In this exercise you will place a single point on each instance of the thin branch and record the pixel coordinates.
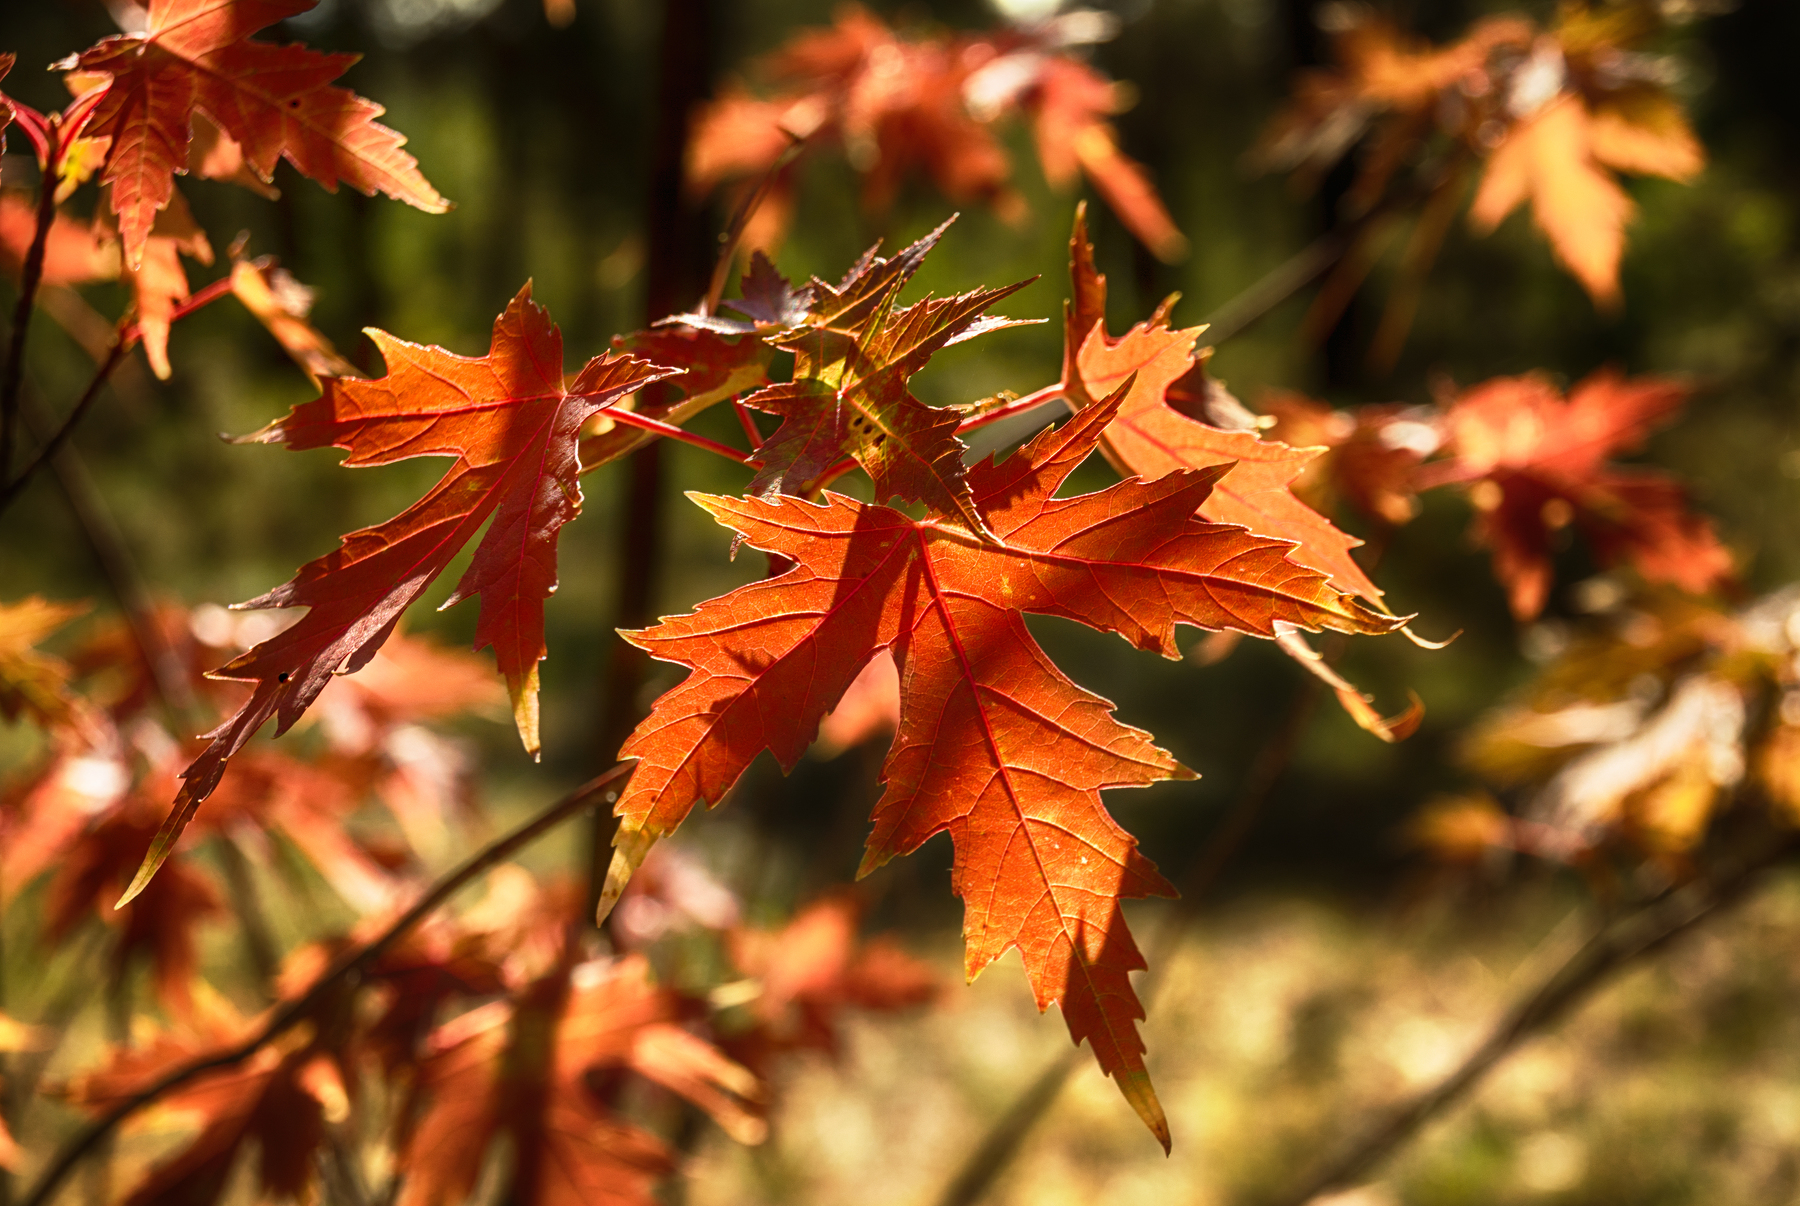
(54, 444)
(670, 431)
(117, 565)
(200, 298)
(740, 221)
(1642, 933)
(30, 276)
(35, 127)
(1296, 273)
(348, 968)
(1309, 264)
(1002, 1142)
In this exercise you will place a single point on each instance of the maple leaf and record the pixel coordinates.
(995, 746)
(1151, 438)
(281, 304)
(36, 684)
(274, 101)
(510, 420)
(75, 253)
(160, 924)
(897, 105)
(158, 283)
(852, 359)
(1070, 103)
(812, 969)
(532, 1072)
(1579, 207)
(1374, 452)
(1537, 462)
(277, 1102)
(869, 708)
(719, 357)
(1553, 114)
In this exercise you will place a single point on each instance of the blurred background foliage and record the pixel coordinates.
(540, 135)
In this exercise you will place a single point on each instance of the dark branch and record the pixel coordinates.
(54, 444)
(348, 968)
(30, 276)
(1642, 933)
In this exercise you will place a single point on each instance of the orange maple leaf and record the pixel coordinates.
(995, 747)
(897, 105)
(159, 925)
(510, 421)
(1537, 462)
(33, 683)
(1151, 438)
(812, 969)
(1375, 452)
(534, 1072)
(274, 101)
(281, 304)
(1553, 114)
(278, 1102)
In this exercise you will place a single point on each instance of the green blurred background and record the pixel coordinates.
(541, 137)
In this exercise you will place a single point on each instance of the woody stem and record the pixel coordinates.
(1636, 936)
(29, 278)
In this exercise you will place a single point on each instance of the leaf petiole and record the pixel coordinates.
(670, 431)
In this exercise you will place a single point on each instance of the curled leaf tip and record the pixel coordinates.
(1422, 643)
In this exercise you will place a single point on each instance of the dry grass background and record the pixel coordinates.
(1286, 1026)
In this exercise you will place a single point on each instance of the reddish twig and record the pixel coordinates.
(36, 129)
(747, 421)
(670, 431)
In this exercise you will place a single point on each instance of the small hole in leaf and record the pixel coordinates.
(282, 677)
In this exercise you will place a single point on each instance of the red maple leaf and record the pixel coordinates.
(537, 1072)
(1537, 462)
(900, 105)
(1150, 438)
(273, 101)
(278, 1102)
(995, 747)
(1375, 452)
(159, 925)
(812, 969)
(510, 420)
(281, 304)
